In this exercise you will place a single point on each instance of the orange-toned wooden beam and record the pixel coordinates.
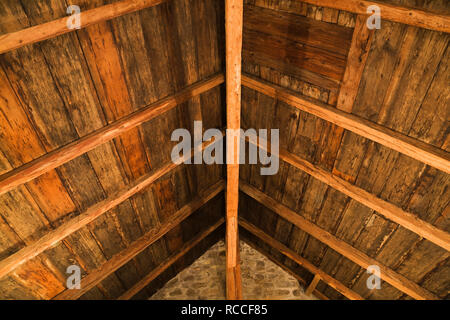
(169, 261)
(426, 153)
(118, 260)
(390, 211)
(14, 40)
(233, 37)
(30, 251)
(392, 277)
(64, 154)
(412, 16)
(335, 284)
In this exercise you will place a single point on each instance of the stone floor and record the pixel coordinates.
(205, 278)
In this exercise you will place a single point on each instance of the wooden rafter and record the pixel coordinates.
(118, 260)
(92, 213)
(335, 284)
(14, 40)
(395, 279)
(412, 16)
(169, 261)
(411, 147)
(69, 152)
(389, 210)
(233, 35)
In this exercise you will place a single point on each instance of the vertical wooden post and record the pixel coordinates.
(233, 36)
(313, 284)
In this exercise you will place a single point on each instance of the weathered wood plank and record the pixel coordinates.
(140, 244)
(57, 27)
(411, 16)
(169, 261)
(387, 274)
(423, 152)
(389, 210)
(302, 261)
(83, 219)
(60, 156)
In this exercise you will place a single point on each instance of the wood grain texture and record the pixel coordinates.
(169, 261)
(413, 148)
(414, 17)
(302, 261)
(92, 213)
(60, 156)
(356, 61)
(390, 211)
(57, 27)
(139, 245)
(387, 274)
(233, 35)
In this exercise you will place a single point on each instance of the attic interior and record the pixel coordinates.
(87, 115)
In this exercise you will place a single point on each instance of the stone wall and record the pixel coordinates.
(205, 278)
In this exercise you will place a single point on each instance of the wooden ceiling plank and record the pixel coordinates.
(120, 259)
(92, 213)
(291, 254)
(411, 147)
(51, 29)
(356, 61)
(169, 261)
(233, 39)
(389, 210)
(395, 279)
(411, 16)
(69, 152)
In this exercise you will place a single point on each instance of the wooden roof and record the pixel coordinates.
(86, 118)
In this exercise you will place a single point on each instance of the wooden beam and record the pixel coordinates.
(411, 147)
(118, 260)
(335, 284)
(317, 293)
(233, 38)
(14, 40)
(92, 213)
(313, 284)
(395, 279)
(169, 261)
(356, 61)
(390, 211)
(64, 154)
(412, 16)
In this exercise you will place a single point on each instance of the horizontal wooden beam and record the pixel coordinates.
(411, 147)
(118, 260)
(337, 285)
(64, 154)
(14, 40)
(169, 261)
(395, 279)
(92, 213)
(302, 281)
(390, 211)
(412, 16)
